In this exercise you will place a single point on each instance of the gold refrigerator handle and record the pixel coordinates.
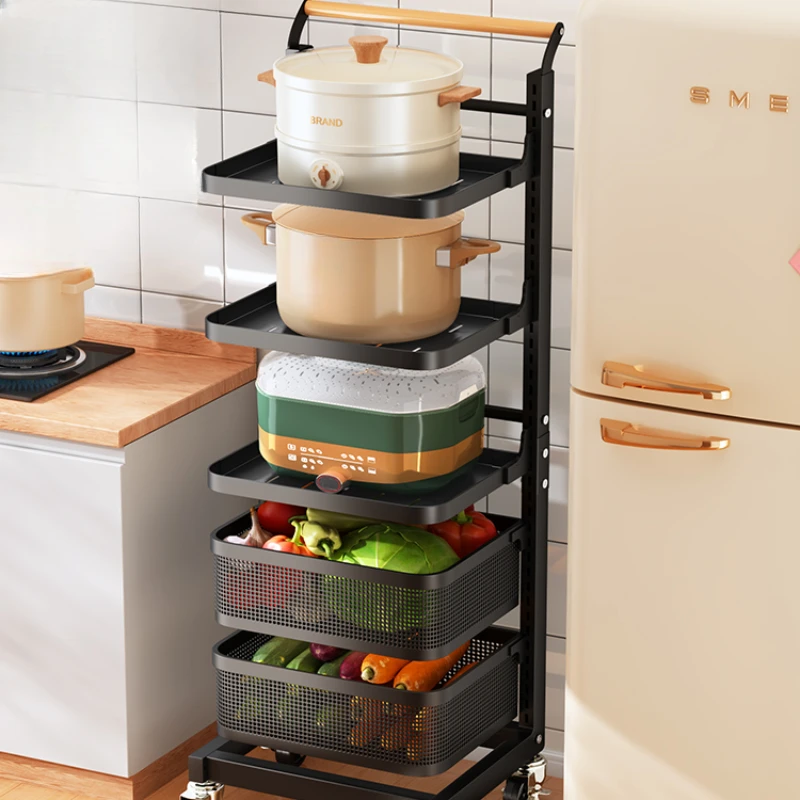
(627, 434)
(624, 375)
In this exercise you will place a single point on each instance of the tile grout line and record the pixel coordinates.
(224, 264)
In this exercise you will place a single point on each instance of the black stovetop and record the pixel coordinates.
(31, 384)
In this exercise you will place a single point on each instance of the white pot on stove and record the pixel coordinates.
(42, 308)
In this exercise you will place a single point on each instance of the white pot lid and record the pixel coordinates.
(356, 225)
(400, 70)
(330, 382)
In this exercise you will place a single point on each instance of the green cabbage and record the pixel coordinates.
(396, 548)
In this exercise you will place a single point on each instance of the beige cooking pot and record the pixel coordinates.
(366, 278)
(42, 311)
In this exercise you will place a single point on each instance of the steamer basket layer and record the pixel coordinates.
(417, 432)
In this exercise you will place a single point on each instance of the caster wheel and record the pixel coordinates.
(516, 788)
(210, 790)
(292, 759)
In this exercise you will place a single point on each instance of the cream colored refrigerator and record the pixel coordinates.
(683, 679)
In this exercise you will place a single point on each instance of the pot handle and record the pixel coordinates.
(459, 94)
(368, 48)
(462, 251)
(263, 224)
(78, 281)
(267, 77)
(429, 19)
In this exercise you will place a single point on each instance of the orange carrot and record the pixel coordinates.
(399, 735)
(418, 747)
(371, 724)
(463, 671)
(422, 676)
(381, 669)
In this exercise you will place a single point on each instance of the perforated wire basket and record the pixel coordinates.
(407, 616)
(416, 733)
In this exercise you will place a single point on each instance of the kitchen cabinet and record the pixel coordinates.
(106, 604)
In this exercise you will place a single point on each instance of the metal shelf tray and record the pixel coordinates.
(246, 474)
(254, 175)
(254, 321)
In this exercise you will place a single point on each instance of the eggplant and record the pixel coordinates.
(325, 652)
(351, 667)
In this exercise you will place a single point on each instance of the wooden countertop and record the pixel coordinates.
(172, 373)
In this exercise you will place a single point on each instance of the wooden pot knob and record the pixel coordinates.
(368, 48)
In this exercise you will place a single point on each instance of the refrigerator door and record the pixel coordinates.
(687, 228)
(683, 667)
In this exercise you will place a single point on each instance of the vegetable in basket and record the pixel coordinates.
(321, 540)
(330, 669)
(423, 676)
(277, 517)
(351, 667)
(398, 548)
(381, 669)
(278, 652)
(326, 652)
(304, 662)
(284, 544)
(466, 532)
(255, 537)
(344, 523)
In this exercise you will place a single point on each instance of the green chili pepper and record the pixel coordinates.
(321, 540)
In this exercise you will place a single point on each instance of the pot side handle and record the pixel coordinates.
(263, 224)
(78, 281)
(458, 94)
(462, 251)
(267, 77)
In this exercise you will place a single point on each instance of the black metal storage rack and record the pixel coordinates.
(520, 548)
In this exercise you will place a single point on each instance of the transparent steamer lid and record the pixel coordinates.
(382, 389)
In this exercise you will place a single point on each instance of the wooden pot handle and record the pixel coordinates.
(459, 94)
(267, 77)
(78, 281)
(462, 251)
(260, 222)
(430, 19)
(368, 48)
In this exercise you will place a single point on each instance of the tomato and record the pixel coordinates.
(274, 517)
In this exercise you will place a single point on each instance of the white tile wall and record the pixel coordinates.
(182, 249)
(178, 56)
(111, 109)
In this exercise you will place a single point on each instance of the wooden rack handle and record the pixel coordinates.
(430, 19)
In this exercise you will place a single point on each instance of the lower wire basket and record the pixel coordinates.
(415, 733)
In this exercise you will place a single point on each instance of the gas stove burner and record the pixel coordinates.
(37, 358)
(27, 366)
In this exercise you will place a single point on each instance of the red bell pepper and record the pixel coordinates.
(465, 532)
(289, 545)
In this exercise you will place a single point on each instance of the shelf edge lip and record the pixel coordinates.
(230, 332)
(515, 531)
(409, 653)
(436, 697)
(428, 206)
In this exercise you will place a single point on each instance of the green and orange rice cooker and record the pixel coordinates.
(339, 422)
